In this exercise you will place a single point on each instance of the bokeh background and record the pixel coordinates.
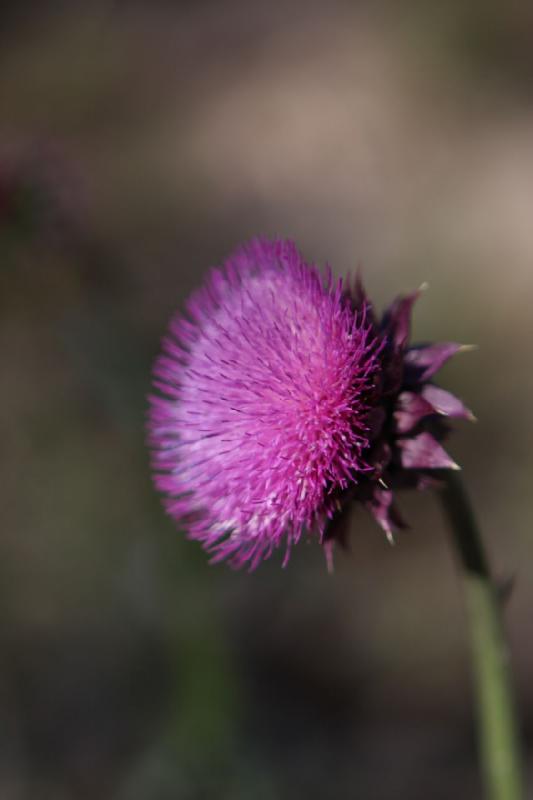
(139, 143)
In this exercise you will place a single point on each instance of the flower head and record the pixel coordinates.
(281, 398)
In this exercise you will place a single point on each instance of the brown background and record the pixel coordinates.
(139, 143)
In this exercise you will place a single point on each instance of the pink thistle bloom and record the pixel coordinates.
(280, 398)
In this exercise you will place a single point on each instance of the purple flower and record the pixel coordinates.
(282, 398)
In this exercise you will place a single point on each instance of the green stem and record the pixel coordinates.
(498, 730)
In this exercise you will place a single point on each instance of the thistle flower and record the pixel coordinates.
(281, 398)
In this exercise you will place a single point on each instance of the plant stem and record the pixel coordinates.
(498, 730)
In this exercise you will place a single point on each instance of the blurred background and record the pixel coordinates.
(139, 143)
